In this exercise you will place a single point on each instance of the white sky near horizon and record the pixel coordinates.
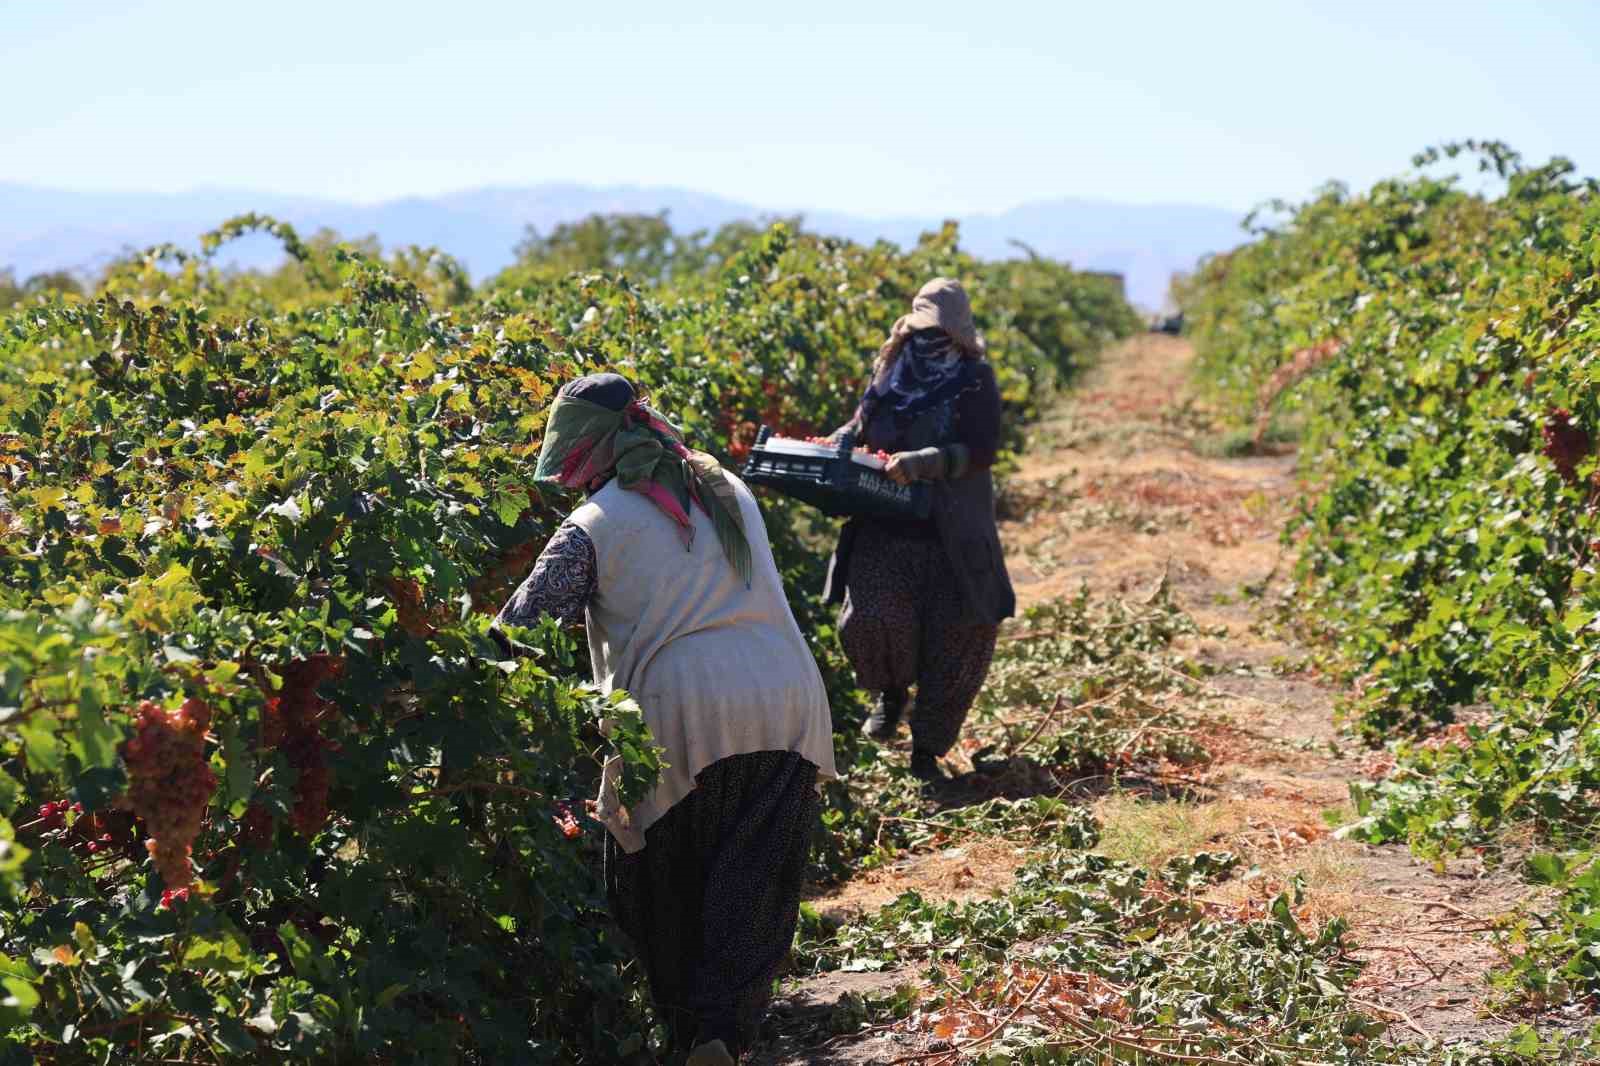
(866, 108)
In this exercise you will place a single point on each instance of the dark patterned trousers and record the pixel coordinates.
(712, 901)
(905, 623)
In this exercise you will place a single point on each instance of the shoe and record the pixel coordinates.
(885, 717)
(925, 767)
(711, 1053)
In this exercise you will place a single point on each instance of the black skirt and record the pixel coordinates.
(712, 901)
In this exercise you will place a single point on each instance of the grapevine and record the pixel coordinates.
(490, 590)
(169, 783)
(410, 606)
(1565, 444)
(247, 484)
(293, 722)
(1447, 573)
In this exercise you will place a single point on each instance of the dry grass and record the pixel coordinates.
(1149, 832)
(1262, 829)
(974, 869)
(1330, 869)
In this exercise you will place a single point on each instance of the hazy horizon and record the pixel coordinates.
(45, 229)
(575, 183)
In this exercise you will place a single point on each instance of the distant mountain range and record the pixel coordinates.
(48, 229)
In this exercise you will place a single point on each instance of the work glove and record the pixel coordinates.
(925, 464)
(929, 464)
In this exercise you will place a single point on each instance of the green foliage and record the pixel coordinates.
(296, 497)
(1131, 967)
(1450, 546)
(643, 247)
(1027, 298)
(1090, 670)
(37, 285)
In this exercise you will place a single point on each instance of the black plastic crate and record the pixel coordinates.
(832, 478)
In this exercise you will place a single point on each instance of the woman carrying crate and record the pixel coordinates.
(668, 564)
(923, 599)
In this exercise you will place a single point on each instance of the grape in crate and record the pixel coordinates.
(835, 476)
(923, 596)
(667, 563)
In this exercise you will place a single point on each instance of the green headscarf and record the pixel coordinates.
(584, 439)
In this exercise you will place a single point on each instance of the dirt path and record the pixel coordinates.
(1120, 490)
(1213, 523)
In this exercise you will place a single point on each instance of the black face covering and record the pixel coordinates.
(931, 343)
(927, 371)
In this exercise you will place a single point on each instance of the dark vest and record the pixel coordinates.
(963, 514)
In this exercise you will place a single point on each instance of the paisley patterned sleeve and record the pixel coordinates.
(561, 585)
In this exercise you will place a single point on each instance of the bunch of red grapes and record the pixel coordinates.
(292, 723)
(53, 815)
(169, 782)
(410, 608)
(502, 576)
(1565, 444)
(566, 821)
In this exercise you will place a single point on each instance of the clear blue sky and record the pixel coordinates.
(874, 108)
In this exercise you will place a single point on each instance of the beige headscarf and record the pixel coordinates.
(942, 303)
